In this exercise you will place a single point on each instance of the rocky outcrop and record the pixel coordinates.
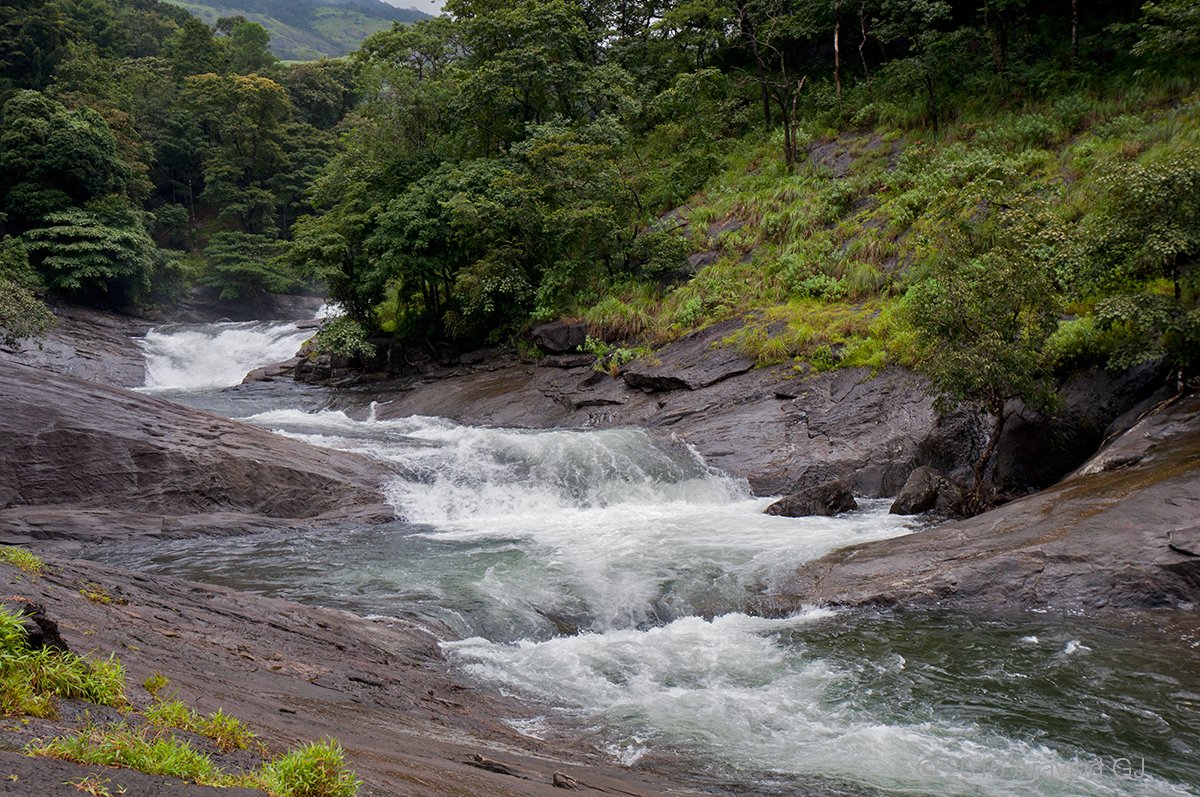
(927, 489)
(695, 362)
(89, 344)
(1117, 534)
(84, 448)
(294, 674)
(559, 337)
(828, 498)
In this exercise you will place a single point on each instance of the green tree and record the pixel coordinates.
(246, 45)
(102, 253)
(192, 49)
(22, 314)
(983, 315)
(52, 158)
(242, 118)
(244, 265)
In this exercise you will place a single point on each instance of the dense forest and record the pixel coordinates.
(992, 190)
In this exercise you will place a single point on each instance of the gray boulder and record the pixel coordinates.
(828, 498)
(928, 489)
(559, 337)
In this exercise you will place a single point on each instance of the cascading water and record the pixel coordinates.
(208, 356)
(611, 576)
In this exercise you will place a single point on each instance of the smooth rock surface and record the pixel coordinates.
(92, 345)
(76, 445)
(1105, 538)
(295, 674)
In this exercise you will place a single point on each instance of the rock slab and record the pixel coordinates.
(1112, 536)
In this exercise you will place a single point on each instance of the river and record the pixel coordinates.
(620, 583)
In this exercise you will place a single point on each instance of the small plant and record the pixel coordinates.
(315, 770)
(167, 714)
(22, 559)
(227, 732)
(97, 593)
(121, 745)
(93, 785)
(155, 683)
(821, 286)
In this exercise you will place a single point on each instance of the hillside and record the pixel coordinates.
(304, 30)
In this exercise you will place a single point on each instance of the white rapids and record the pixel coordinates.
(206, 356)
(616, 579)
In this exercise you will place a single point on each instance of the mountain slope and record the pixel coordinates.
(307, 29)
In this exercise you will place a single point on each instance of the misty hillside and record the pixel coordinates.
(308, 29)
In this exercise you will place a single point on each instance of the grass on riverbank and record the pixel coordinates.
(819, 260)
(165, 737)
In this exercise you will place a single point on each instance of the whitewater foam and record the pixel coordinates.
(208, 356)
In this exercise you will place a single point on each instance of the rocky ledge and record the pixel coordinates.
(295, 674)
(1120, 533)
(783, 429)
(84, 462)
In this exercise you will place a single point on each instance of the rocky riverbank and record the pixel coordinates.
(295, 673)
(88, 465)
(1120, 534)
(780, 428)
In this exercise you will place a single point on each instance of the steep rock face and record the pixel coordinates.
(1113, 535)
(69, 443)
(89, 344)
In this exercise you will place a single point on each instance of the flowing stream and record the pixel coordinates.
(617, 581)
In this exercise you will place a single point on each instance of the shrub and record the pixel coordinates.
(344, 337)
(316, 770)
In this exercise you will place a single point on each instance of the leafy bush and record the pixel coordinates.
(821, 286)
(344, 337)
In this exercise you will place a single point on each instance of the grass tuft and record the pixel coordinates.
(22, 559)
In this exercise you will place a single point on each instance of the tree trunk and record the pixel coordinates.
(1074, 30)
(837, 49)
(985, 458)
(747, 26)
(933, 107)
(862, 25)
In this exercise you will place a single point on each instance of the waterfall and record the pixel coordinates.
(208, 356)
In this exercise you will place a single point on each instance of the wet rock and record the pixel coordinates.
(40, 631)
(828, 498)
(87, 446)
(559, 337)
(88, 344)
(692, 363)
(927, 489)
(1100, 540)
(1185, 540)
(567, 361)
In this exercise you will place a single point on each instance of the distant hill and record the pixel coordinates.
(303, 30)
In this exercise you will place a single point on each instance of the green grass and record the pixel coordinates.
(122, 745)
(317, 769)
(816, 250)
(32, 680)
(21, 559)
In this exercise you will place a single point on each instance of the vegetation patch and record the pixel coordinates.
(165, 738)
